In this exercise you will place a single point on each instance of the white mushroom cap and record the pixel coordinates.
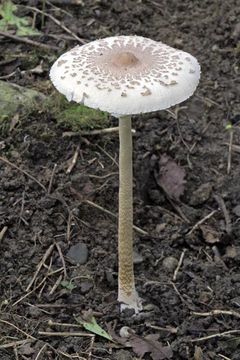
(126, 75)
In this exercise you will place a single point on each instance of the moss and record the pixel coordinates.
(16, 99)
(81, 117)
(76, 116)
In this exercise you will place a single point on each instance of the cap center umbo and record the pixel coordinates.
(124, 59)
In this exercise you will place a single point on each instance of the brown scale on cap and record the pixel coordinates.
(61, 62)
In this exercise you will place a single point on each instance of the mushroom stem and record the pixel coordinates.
(126, 284)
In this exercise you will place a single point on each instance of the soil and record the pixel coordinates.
(46, 210)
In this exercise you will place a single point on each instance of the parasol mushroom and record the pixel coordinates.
(126, 75)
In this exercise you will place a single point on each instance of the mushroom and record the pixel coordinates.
(126, 75)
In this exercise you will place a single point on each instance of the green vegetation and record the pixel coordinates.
(10, 20)
(77, 116)
(22, 101)
(68, 285)
(91, 325)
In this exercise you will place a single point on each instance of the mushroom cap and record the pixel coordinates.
(126, 75)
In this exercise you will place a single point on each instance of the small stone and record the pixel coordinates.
(125, 332)
(170, 263)
(78, 253)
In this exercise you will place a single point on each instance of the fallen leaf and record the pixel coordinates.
(91, 325)
(150, 345)
(170, 177)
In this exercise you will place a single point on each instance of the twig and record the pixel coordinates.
(224, 357)
(58, 281)
(44, 258)
(169, 329)
(90, 349)
(73, 161)
(67, 2)
(3, 232)
(15, 343)
(208, 100)
(200, 222)
(51, 179)
(16, 353)
(218, 312)
(65, 333)
(53, 323)
(107, 154)
(42, 17)
(5, 77)
(23, 171)
(201, 134)
(229, 164)
(51, 3)
(177, 292)
(234, 147)
(103, 176)
(30, 292)
(178, 108)
(29, 42)
(62, 259)
(222, 205)
(179, 265)
(177, 208)
(56, 21)
(22, 209)
(18, 329)
(40, 351)
(140, 231)
(226, 333)
(95, 132)
(170, 213)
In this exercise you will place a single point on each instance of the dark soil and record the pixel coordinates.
(197, 139)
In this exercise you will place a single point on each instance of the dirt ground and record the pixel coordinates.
(188, 260)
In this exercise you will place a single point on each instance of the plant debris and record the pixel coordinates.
(170, 177)
(89, 323)
(149, 345)
(9, 20)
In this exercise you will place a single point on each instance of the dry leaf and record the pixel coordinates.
(150, 345)
(141, 346)
(170, 177)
